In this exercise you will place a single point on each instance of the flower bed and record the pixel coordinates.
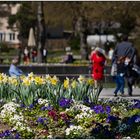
(29, 108)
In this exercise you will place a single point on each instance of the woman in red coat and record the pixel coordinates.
(98, 59)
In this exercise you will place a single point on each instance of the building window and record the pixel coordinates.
(11, 36)
(1, 36)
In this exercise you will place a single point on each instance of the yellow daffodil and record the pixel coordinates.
(13, 81)
(3, 78)
(31, 75)
(73, 84)
(66, 83)
(90, 81)
(81, 79)
(22, 77)
(48, 78)
(26, 81)
(39, 80)
(54, 80)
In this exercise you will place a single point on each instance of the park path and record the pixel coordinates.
(108, 93)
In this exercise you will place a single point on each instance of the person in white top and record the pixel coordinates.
(110, 53)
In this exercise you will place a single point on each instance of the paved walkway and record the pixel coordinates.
(108, 93)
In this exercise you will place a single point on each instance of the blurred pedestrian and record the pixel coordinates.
(26, 57)
(14, 70)
(69, 58)
(132, 71)
(98, 58)
(34, 55)
(110, 53)
(122, 55)
(44, 55)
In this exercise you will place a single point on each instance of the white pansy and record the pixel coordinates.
(73, 129)
(46, 104)
(17, 118)
(11, 104)
(91, 111)
(28, 129)
(19, 124)
(13, 129)
(22, 128)
(3, 114)
(40, 101)
(78, 116)
(67, 131)
(20, 113)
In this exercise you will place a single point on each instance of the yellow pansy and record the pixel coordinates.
(66, 83)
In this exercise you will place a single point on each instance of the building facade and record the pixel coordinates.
(9, 35)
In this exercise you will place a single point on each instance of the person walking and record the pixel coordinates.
(26, 57)
(122, 55)
(44, 60)
(119, 78)
(132, 71)
(110, 54)
(98, 59)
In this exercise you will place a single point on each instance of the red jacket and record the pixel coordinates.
(98, 66)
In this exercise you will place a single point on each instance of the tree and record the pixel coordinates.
(41, 31)
(80, 16)
(25, 18)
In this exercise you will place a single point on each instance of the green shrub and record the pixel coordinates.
(74, 43)
(4, 47)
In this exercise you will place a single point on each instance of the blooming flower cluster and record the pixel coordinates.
(74, 131)
(7, 134)
(43, 107)
(10, 114)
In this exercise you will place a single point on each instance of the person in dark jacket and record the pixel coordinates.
(131, 71)
(123, 56)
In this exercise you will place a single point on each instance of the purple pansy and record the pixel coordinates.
(65, 103)
(98, 109)
(108, 109)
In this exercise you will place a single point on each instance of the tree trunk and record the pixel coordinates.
(41, 32)
(83, 47)
(81, 27)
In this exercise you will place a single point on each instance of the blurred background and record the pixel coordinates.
(44, 32)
